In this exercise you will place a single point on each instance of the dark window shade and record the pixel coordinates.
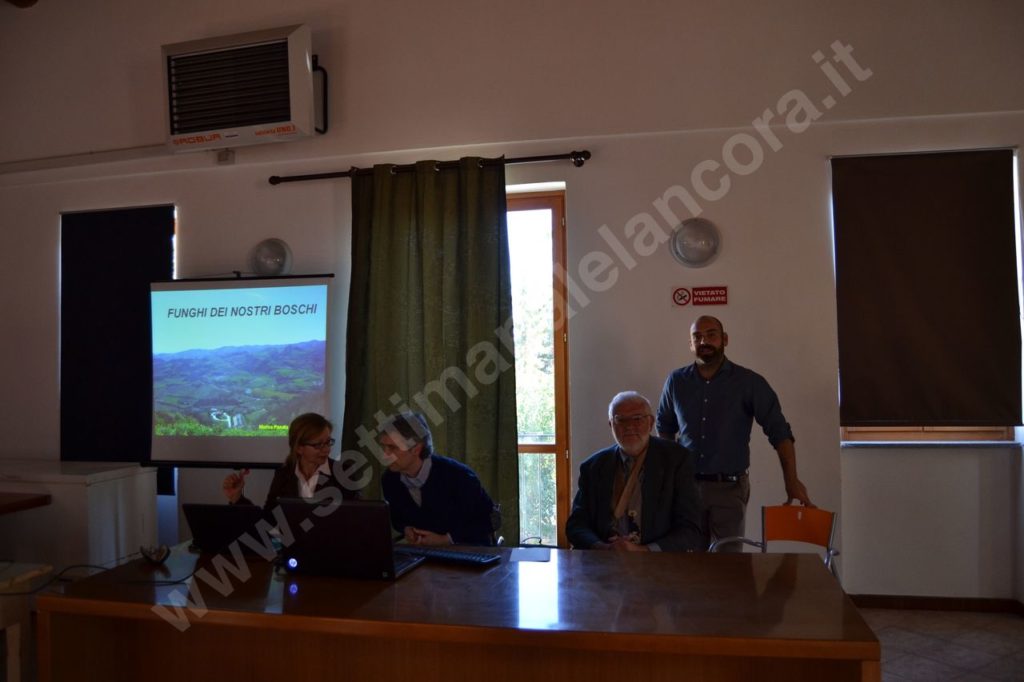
(926, 287)
(108, 259)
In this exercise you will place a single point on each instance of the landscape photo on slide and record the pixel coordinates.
(237, 390)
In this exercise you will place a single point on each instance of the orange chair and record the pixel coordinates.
(796, 524)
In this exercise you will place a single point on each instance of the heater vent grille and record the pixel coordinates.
(249, 88)
(240, 87)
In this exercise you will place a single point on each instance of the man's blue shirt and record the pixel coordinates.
(713, 417)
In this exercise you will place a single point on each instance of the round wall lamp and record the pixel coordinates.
(695, 242)
(271, 257)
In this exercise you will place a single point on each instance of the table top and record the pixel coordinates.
(628, 601)
(12, 502)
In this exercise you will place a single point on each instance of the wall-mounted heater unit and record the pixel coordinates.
(238, 90)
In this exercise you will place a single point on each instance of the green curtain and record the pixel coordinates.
(429, 318)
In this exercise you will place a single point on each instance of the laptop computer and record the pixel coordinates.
(350, 539)
(215, 526)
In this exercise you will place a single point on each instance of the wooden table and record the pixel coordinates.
(582, 616)
(13, 502)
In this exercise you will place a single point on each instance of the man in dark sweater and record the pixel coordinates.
(434, 500)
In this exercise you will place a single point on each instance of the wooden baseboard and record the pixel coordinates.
(882, 601)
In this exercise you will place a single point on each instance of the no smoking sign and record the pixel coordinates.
(700, 296)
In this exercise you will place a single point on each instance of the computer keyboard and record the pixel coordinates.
(451, 556)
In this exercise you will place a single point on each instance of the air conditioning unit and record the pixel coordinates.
(249, 88)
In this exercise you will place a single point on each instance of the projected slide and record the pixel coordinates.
(237, 361)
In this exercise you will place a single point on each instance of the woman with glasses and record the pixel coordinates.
(305, 471)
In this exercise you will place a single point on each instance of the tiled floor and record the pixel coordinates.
(936, 646)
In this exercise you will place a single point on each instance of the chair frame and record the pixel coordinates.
(830, 551)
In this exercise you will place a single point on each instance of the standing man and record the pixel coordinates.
(639, 494)
(711, 405)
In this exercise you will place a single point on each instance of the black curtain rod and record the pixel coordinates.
(577, 158)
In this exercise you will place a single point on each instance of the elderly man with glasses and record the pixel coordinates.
(639, 494)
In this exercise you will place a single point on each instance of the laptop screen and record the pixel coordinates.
(351, 539)
(216, 526)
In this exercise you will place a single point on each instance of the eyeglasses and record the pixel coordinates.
(322, 444)
(635, 420)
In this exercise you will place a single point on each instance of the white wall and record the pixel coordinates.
(935, 519)
(652, 89)
(409, 75)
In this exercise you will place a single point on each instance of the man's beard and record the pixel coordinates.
(709, 356)
(633, 445)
